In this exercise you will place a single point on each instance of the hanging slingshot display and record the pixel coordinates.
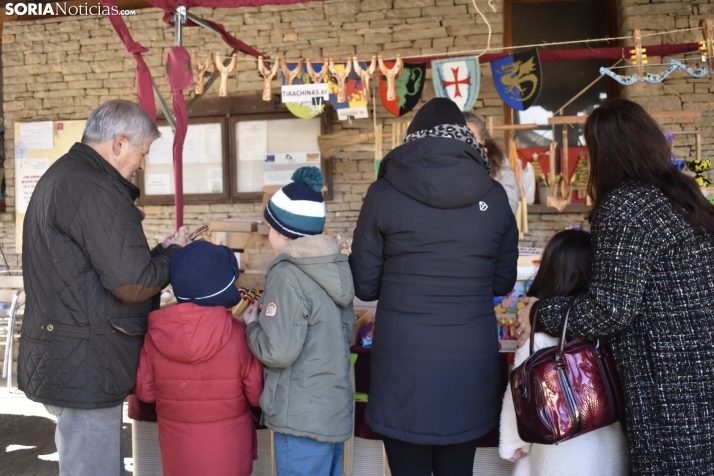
(225, 72)
(268, 75)
(290, 75)
(319, 76)
(391, 75)
(365, 75)
(201, 69)
(341, 77)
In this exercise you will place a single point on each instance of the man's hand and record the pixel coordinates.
(176, 238)
(251, 313)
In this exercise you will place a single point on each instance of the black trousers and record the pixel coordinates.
(410, 459)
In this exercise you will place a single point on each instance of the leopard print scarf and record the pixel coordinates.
(453, 131)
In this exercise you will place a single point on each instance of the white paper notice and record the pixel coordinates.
(161, 151)
(250, 176)
(28, 173)
(304, 92)
(37, 135)
(20, 151)
(353, 112)
(252, 140)
(215, 180)
(157, 184)
(278, 168)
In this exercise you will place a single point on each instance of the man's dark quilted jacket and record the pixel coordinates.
(89, 278)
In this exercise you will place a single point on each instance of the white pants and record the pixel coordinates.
(89, 442)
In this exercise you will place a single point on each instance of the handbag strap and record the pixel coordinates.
(563, 330)
(563, 327)
(534, 320)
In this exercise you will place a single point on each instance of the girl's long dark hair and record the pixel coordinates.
(624, 142)
(565, 268)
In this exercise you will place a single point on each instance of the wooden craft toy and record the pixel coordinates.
(201, 69)
(365, 75)
(341, 77)
(290, 75)
(317, 77)
(268, 75)
(225, 72)
(391, 75)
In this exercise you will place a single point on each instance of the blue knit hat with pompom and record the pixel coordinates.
(298, 209)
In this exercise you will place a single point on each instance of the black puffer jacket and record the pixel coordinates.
(89, 278)
(435, 240)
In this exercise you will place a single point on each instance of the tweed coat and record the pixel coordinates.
(652, 293)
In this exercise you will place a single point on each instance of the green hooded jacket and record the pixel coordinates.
(302, 337)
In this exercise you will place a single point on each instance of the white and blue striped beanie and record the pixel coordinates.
(298, 209)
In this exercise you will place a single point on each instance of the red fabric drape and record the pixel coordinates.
(144, 88)
(179, 76)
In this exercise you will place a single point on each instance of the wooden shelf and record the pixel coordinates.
(573, 208)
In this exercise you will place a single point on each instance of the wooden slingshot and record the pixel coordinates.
(201, 69)
(341, 79)
(290, 75)
(317, 77)
(365, 75)
(268, 75)
(391, 75)
(225, 72)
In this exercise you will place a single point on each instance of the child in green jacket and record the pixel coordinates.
(302, 333)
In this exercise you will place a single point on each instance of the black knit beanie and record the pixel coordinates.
(437, 112)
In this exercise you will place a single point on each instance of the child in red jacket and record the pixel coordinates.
(197, 367)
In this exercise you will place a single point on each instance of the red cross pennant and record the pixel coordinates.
(457, 81)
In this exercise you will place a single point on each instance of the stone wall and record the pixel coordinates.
(57, 69)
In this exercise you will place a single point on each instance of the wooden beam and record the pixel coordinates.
(567, 120)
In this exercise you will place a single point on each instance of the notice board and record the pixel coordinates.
(37, 146)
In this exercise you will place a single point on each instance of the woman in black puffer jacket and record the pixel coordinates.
(435, 241)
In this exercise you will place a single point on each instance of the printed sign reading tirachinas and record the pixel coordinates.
(303, 99)
(65, 9)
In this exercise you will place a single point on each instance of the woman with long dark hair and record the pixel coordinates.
(652, 291)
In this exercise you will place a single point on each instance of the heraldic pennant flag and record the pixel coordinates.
(457, 79)
(518, 79)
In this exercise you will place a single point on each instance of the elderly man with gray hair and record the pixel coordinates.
(90, 280)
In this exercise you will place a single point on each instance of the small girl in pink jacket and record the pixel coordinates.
(197, 367)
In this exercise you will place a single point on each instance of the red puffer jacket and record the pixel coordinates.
(197, 367)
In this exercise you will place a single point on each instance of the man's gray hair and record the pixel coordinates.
(119, 116)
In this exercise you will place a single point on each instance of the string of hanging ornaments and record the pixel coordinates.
(303, 71)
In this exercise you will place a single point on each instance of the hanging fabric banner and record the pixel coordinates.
(179, 75)
(518, 79)
(409, 86)
(457, 79)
